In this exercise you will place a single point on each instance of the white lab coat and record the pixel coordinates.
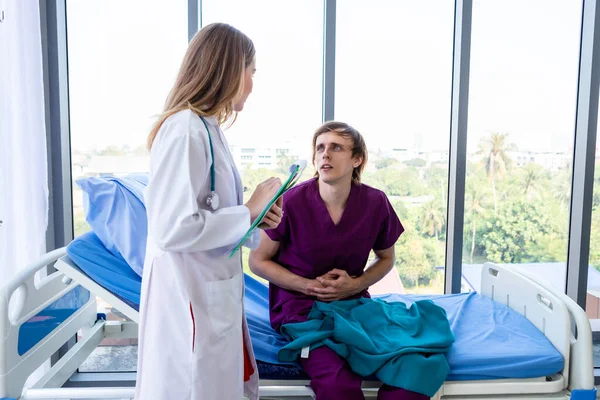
(188, 271)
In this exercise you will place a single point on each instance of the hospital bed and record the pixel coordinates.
(518, 338)
(40, 311)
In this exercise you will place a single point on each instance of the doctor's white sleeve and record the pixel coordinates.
(179, 180)
(253, 241)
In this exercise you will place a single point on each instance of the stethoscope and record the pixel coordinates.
(213, 198)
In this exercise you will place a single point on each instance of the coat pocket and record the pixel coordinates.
(225, 304)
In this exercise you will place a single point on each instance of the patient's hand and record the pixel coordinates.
(310, 286)
(336, 285)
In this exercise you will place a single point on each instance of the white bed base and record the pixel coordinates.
(548, 309)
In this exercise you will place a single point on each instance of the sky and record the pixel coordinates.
(393, 70)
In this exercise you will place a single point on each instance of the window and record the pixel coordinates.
(393, 83)
(522, 103)
(285, 104)
(592, 301)
(118, 82)
(284, 108)
(121, 68)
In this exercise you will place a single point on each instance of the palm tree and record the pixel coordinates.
(562, 188)
(533, 176)
(433, 218)
(475, 202)
(495, 150)
(437, 178)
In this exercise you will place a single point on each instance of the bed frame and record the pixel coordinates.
(558, 317)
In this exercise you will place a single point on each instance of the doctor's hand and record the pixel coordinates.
(336, 285)
(273, 217)
(263, 193)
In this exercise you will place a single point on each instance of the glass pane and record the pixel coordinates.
(122, 59)
(522, 102)
(276, 126)
(592, 301)
(393, 83)
(121, 68)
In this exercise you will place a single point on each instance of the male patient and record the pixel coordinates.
(321, 248)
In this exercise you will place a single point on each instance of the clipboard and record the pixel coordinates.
(296, 171)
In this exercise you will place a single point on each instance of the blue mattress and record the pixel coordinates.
(492, 341)
(43, 323)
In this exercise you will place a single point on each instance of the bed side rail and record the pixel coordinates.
(543, 308)
(22, 298)
(581, 343)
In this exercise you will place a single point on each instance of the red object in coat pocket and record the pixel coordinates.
(248, 370)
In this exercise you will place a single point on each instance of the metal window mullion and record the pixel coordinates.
(194, 17)
(458, 144)
(56, 103)
(584, 151)
(59, 231)
(329, 19)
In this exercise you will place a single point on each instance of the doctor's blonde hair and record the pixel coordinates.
(210, 76)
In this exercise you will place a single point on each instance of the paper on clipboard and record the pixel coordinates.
(296, 171)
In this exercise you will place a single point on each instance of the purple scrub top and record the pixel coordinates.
(310, 244)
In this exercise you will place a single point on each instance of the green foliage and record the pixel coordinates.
(397, 182)
(80, 225)
(432, 219)
(416, 258)
(416, 162)
(385, 162)
(595, 241)
(515, 234)
(284, 162)
(513, 213)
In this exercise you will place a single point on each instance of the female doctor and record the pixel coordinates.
(193, 338)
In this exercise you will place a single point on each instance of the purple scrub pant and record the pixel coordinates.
(332, 379)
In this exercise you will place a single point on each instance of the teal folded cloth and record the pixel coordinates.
(401, 346)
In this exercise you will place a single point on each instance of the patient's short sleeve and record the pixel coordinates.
(390, 227)
(281, 233)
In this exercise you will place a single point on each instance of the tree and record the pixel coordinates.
(534, 176)
(402, 212)
(436, 179)
(416, 162)
(284, 162)
(433, 218)
(514, 234)
(393, 182)
(475, 203)
(385, 162)
(416, 258)
(251, 177)
(495, 150)
(562, 188)
(595, 241)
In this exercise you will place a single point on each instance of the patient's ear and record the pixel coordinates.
(357, 161)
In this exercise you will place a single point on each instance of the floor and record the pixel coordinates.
(111, 359)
